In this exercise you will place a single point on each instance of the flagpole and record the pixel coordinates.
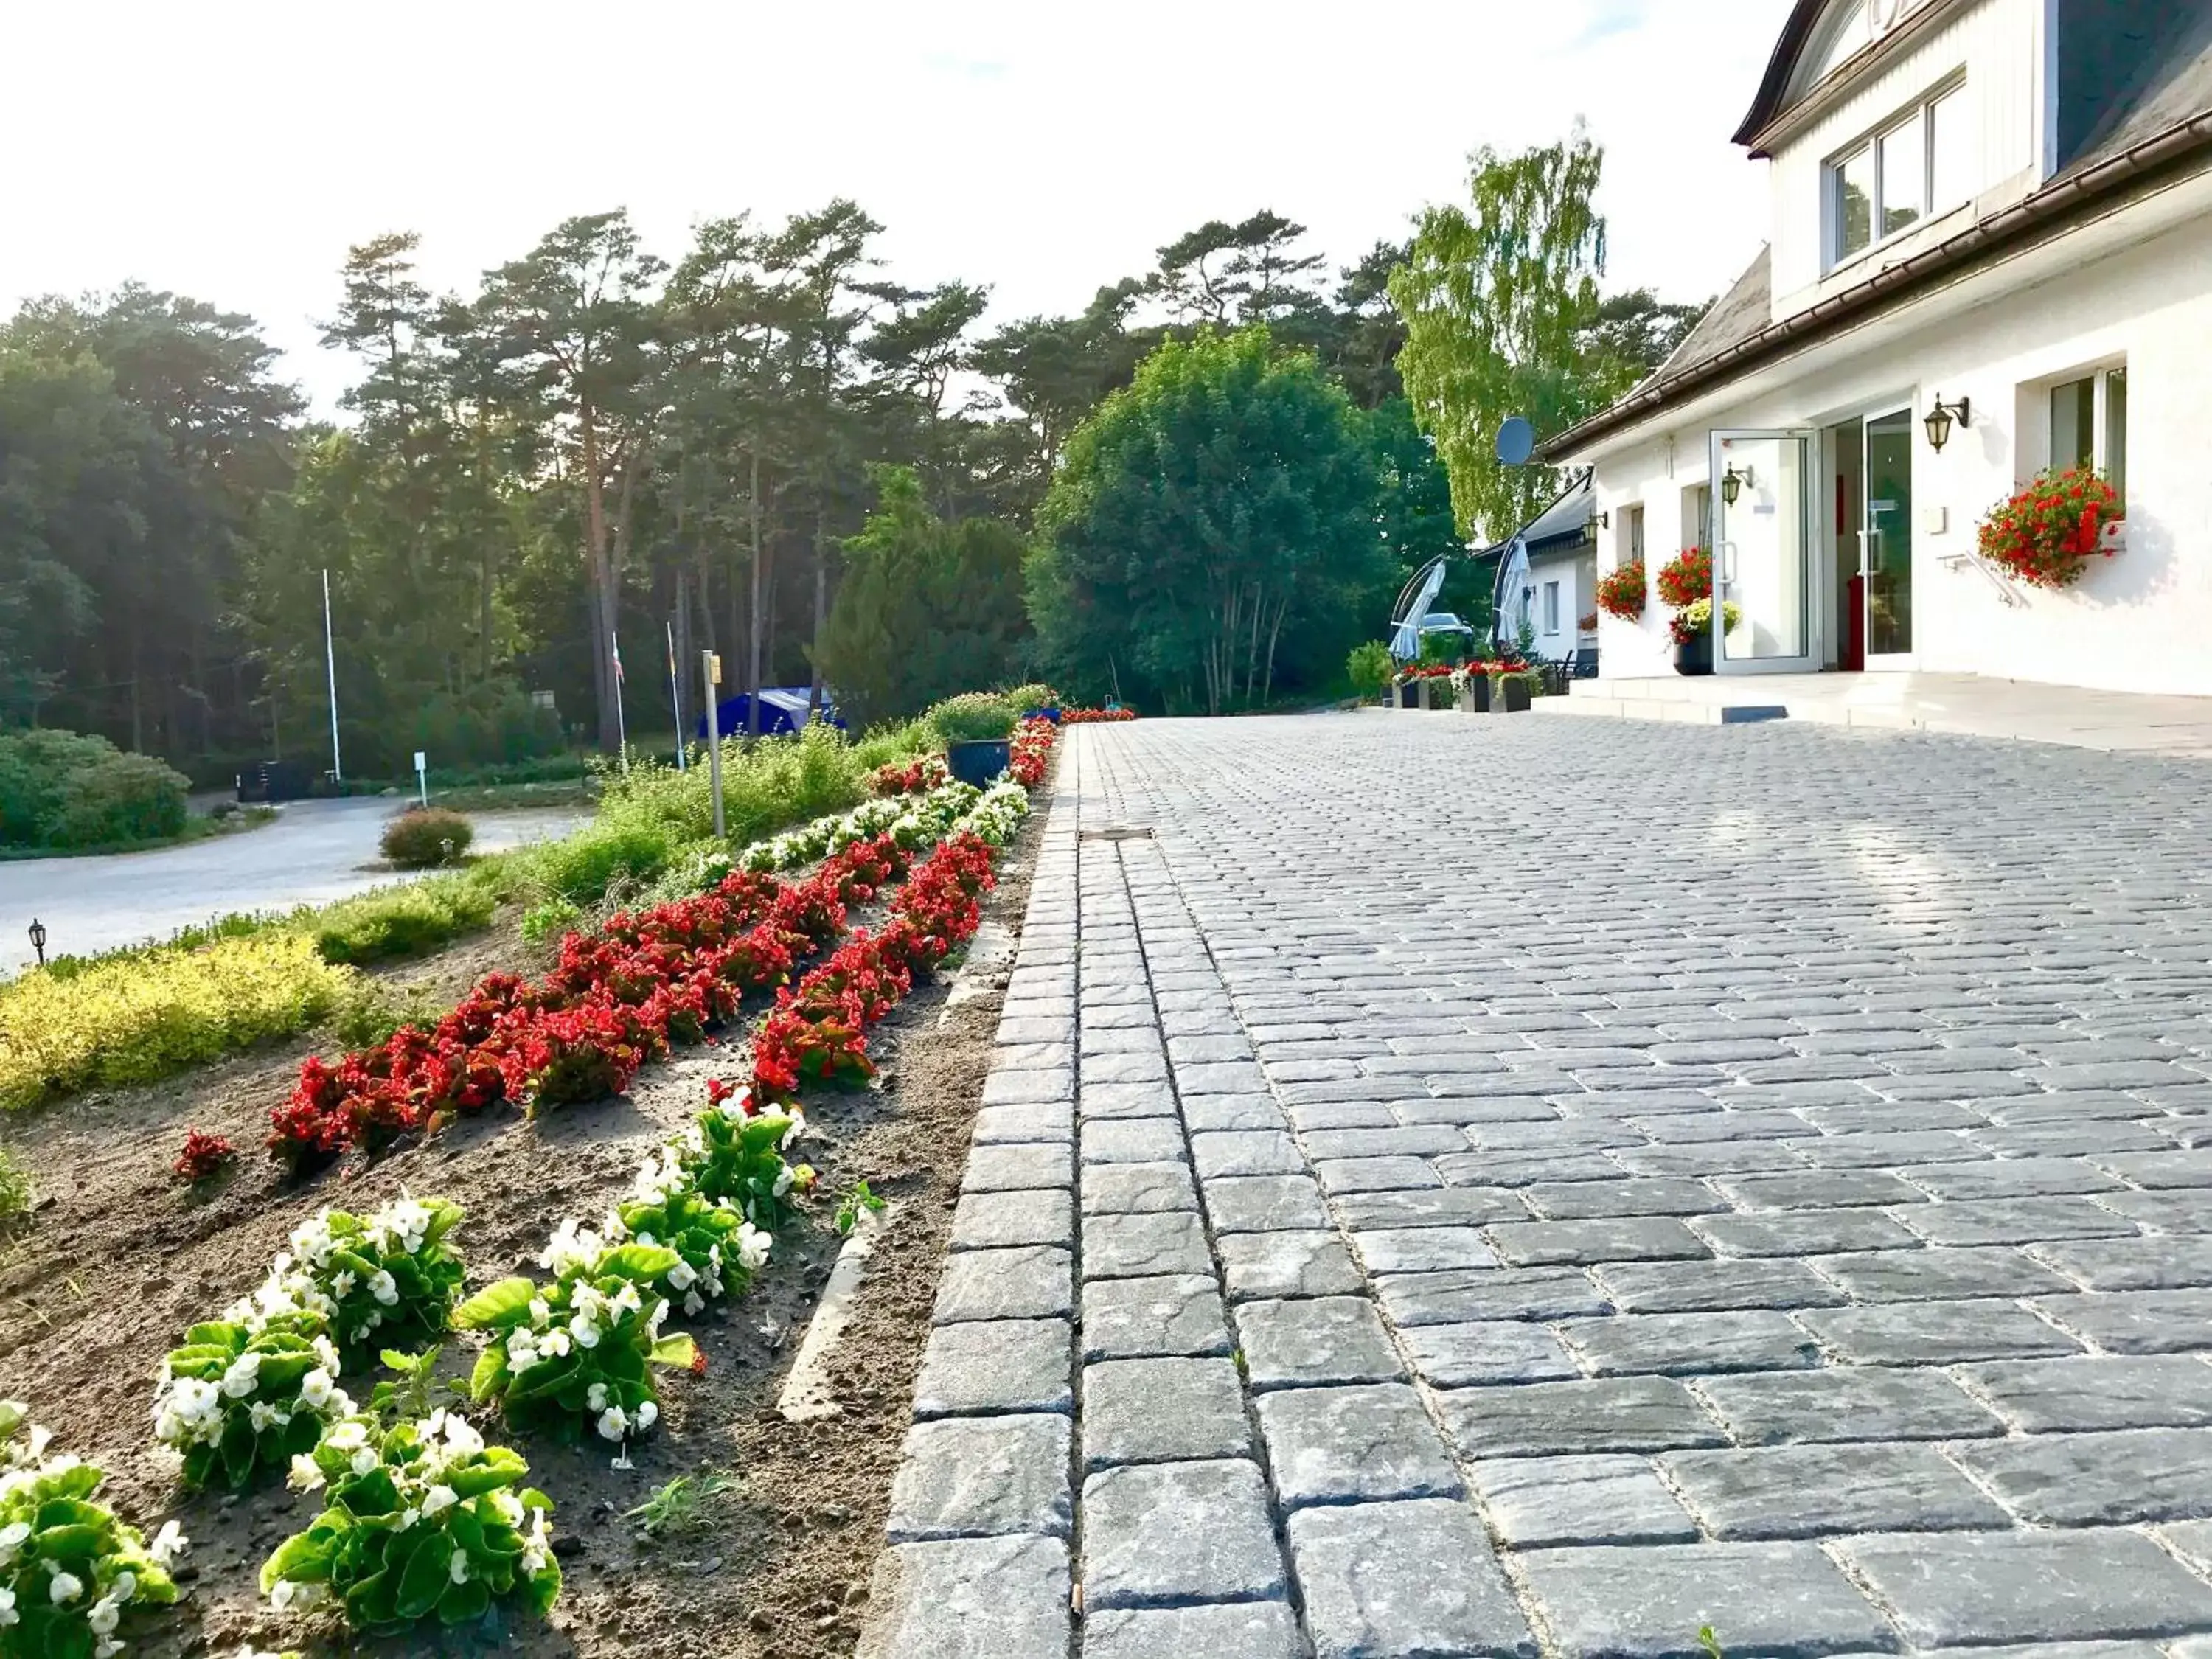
(675, 696)
(622, 731)
(331, 664)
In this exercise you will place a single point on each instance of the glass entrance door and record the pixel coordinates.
(1763, 540)
(1889, 539)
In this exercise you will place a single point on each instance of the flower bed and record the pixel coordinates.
(1095, 716)
(2046, 534)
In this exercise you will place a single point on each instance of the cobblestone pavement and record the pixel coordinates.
(1467, 1187)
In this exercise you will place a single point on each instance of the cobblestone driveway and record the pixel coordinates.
(1454, 1185)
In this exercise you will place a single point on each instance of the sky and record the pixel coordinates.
(233, 149)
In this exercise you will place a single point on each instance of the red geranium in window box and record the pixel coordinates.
(2046, 535)
(1621, 593)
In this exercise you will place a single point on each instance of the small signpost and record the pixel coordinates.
(710, 666)
(422, 778)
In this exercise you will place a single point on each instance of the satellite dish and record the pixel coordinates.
(1517, 441)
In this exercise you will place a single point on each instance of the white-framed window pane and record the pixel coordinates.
(1854, 204)
(2116, 432)
(1904, 183)
(2073, 424)
(1949, 178)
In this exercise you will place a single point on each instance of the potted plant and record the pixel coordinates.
(1692, 628)
(975, 727)
(2046, 534)
(1512, 686)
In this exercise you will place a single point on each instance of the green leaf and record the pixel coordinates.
(424, 1578)
(496, 1305)
(483, 1381)
(678, 1350)
(463, 1602)
(640, 1264)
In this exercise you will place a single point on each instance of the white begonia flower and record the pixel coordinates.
(342, 1283)
(168, 1543)
(614, 1423)
(347, 1437)
(782, 1183)
(556, 1343)
(521, 1349)
(306, 1474)
(507, 1507)
(8, 1613)
(682, 1276)
(242, 1376)
(263, 1416)
(327, 1352)
(648, 1240)
(797, 1128)
(460, 1567)
(316, 1388)
(11, 1539)
(539, 1313)
(66, 1589)
(462, 1439)
(752, 1247)
(654, 1320)
(649, 1414)
(287, 1595)
(586, 1334)
(380, 1286)
(627, 1300)
(438, 1500)
(595, 1397)
(693, 1306)
(365, 1460)
(103, 1616)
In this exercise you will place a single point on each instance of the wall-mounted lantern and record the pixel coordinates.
(1940, 417)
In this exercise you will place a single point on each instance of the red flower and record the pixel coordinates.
(2046, 534)
(203, 1156)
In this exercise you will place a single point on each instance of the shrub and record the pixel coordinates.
(388, 1280)
(2047, 533)
(477, 1536)
(887, 744)
(1620, 593)
(577, 1353)
(73, 1569)
(136, 1020)
(580, 868)
(410, 920)
(368, 1012)
(1036, 694)
(16, 1192)
(1369, 668)
(544, 921)
(62, 790)
(241, 1397)
(972, 716)
(420, 838)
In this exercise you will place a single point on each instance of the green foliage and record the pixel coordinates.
(422, 838)
(681, 1507)
(241, 1398)
(1032, 693)
(70, 1569)
(420, 1520)
(1223, 504)
(974, 716)
(1496, 298)
(555, 917)
(16, 1191)
(736, 1156)
(370, 1010)
(385, 1280)
(1369, 668)
(890, 742)
(926, 607)
(61, 790)
(391, 922)
(859, 1199)
(135, 1020)
(718, 1250)
(577, 1353)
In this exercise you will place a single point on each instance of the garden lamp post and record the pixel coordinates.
(39, 939)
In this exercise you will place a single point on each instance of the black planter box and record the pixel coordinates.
(1478, 687)
(1516, 693)
(978, 761)
(1696, 657)
(1409, 694)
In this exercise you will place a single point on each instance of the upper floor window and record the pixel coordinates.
(1897, 176)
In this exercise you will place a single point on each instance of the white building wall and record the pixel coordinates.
(1576, 576)
(1999, 46)
(2141, 622)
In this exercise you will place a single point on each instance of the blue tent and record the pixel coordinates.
(783, 709)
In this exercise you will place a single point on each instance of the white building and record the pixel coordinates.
(1547, 583)
(2000, 204)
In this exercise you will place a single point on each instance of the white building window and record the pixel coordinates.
(1898, 175)
(1551, 607)
(2089, 425)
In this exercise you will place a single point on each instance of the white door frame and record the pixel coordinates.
(1808, 440)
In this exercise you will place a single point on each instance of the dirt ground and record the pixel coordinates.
(119, 1261)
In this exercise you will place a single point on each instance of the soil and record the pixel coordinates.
(119, 1261)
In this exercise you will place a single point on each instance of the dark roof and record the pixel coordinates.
(2172, 83)
(1746, 308)
(1565, 522)
(1767, 104)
